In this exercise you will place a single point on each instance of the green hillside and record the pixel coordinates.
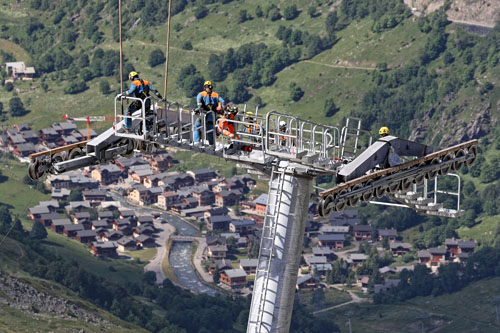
(469, 310)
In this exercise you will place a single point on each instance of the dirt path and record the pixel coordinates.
(340, 66)
(197, 259)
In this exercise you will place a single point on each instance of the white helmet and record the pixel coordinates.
(282, 125)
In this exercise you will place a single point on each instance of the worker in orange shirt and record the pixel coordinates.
(224, 126)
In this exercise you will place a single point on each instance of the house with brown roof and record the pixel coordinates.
(362, 232)
(307, 282)
(86, 236)
(107, 174)
(399, 248)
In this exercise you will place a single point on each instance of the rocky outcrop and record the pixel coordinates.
(24, 297)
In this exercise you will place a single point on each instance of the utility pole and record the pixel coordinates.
(349, 314)
(495, 302)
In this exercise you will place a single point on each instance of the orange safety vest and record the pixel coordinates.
(225, 127)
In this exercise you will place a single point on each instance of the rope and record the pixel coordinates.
(168, 47)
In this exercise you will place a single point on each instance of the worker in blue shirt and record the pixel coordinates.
(207, 100)
(140, 89)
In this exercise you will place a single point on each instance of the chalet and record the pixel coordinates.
(95, 197)
(143, 230)
(235, 184)
(190, 203)
(15, 138)
(70, 230)
(105, 249)
(18, 70)
(234, 278)
(168, 199)
(202, 175)
(100, 224)
(215, 240)
(212, 211)
(248, 205)
(124, 163)
(162, 162)
(121, 222)
(111, 235)
(242, 226)
(145, 241)
(24, 149)
(386, 270)
(47, 219)
(79, 217)
(138, 176)
(399, 248)
(424, 257)
(335, 241)
(218, 223)
(64, 127)
(388, 284)
(105, 215)
(220, 264)
(438, 255)
(362, 232)
(69, 139)
(217, 251)
(78, 206)
(227, 198)
(126, 213)
(220, 186)
(83, 182)
(145, 220)
(86, 236)
(126, 244)
(249, 265)
(389, 234)
(60, 182)
(334, 229)
(204, 196)
(307, 282)
(242, 242)
(357, 259)
(261, 204)
(37, 211)
(176, 182)
(320, 269)
(59, 224)
(457, 246)
(48, 134)
(139, 194)
(60, 194)
(323, 251)
(153, 180)
(107, 174)
(312, 260)
(52, 205)
(30, 136)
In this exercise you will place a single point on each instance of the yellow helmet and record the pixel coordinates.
(132, 74)
(383, 131)
(207, 83)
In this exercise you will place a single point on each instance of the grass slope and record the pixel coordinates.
(469, 310)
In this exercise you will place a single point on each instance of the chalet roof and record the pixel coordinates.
(143, 238)
(105, 245)
(219, 218)
(331, 237)
(48, 131)
(223, 263)
(334, 229)
(86, 233)
(156, 190)
(217, 248)
(143, 228)
(29, 134)
(395, 245)
(73, 227)
(261, 199)
(214, 239)
(362, 228)
(321, 267)
(58, 222)
(143, 172)
(324, 250)
(50, 216)
(438, 250)
(305, 278)
(125, 241)
(17, 138)
(124, 221)
(69, 139)
(26, 147)
(50, 203)
(145, 218)
(235, 273)
(129, 162)
(218, 211)
(39, 210)
(387, 232)
(67, 125)
(386, 269)
(243, 223)
(125, 212)
(59, 193)
(423, 254)
(82, 215)
(108, 204)
(99, 223)
(104, 213)
(83, 132)
(249, 262)
(358, 256)
(110, 168)
(312, 259)
(111, 233)
(78, 204)
(467, 244)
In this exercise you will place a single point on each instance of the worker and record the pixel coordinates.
(225, 127)
(252, 126)
(383, 131)
(208, 101)
(140, 89)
